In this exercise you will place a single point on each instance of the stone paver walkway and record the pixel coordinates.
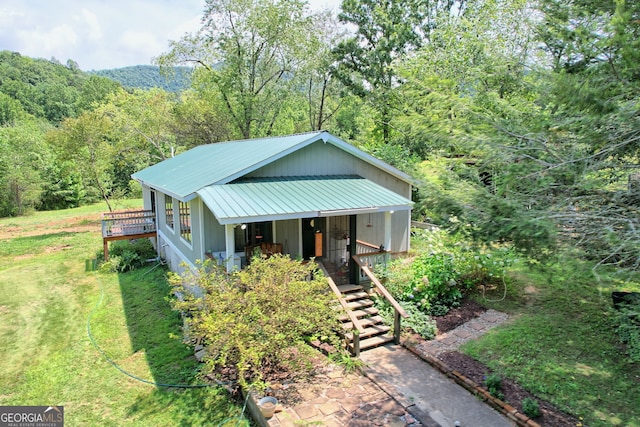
(340, 399)
(337, 398)
(468, 331)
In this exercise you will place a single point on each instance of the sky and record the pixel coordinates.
(101, 34)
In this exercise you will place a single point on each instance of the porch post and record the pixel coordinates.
(230, 245)
(387, 230)
(354, 270)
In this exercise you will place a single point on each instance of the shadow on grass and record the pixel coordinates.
(156, 329)
(190, 407)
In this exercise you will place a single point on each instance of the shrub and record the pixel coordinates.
(627, 322)
(434, 287)
(448, 267)
(259, 319)
(418, 321)
(126, 255)
(493, 382)
(530, 407)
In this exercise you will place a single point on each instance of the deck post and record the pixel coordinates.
(387, 230)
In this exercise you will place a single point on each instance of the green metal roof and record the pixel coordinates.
(271, 199)
(220, 163)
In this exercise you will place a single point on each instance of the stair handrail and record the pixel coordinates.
(380, 289)
(352, 317)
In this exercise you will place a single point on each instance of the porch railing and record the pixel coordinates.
(371, 256)
(126, 225)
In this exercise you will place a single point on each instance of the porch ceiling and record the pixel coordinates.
(298, 197)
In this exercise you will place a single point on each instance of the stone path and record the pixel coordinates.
(337, 398)
(452, 340)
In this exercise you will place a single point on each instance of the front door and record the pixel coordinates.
(312, 237)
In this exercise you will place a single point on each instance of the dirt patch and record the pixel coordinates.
(468, 310)
(89, 223)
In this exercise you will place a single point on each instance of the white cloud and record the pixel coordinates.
(90, 18)
(98, 34)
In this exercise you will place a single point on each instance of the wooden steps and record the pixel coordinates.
(375, 333)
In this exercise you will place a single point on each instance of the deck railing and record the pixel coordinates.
(117, 224)
(126, 225)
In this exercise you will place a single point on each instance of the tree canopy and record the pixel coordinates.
(519, 120)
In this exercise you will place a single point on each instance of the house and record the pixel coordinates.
(307, 195)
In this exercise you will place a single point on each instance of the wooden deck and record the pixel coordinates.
(126, 226)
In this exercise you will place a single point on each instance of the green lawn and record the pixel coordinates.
(560, 343)
(48, 291)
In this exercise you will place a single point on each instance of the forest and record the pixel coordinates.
(518, 119)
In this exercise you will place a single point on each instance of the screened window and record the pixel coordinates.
(185, 221)
(168, 209)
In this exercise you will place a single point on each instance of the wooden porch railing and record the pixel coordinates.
(399, 312)
(370, 255)
(127, 225)
(357, 326)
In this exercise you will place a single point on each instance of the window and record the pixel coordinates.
(185, 221)
(168, 209)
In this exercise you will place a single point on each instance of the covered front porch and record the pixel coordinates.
(305, 217)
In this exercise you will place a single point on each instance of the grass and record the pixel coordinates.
(560, 344)
(48, 291)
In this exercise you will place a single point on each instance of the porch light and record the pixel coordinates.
(243, 226)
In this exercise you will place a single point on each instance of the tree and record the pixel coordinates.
(250, 51)
(87, 142)
(22, 156)
(385, 32)
(594, 93)
(142, 124)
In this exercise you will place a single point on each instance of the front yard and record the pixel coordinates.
(48, 291)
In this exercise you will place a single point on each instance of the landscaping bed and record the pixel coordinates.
(474, 370)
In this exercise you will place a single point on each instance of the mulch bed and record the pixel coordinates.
(476, 371)
(469, 309)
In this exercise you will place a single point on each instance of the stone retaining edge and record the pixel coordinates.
(254, 410)
(507, 410)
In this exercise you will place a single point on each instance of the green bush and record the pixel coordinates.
(530, 407)
(259, 319)
(493, 382)
(627, 322)
(435, 287)
(436, 280)
(418, 320)
(125, 255)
